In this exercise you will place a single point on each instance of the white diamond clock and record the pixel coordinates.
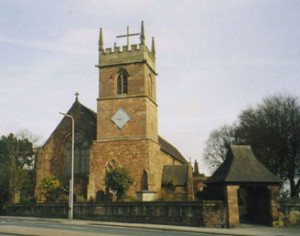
(120, 118)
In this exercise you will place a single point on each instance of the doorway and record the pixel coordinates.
(254, 205)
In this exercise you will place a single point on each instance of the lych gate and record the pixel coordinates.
(251, 190)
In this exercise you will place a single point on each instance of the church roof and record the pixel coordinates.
(241, 166)
(177, 173)
(171, 150)
(81, 108)
(78, 111)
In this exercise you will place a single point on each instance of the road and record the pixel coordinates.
(13, 225)
(36, 227)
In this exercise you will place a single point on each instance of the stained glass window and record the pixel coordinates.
(81, 154)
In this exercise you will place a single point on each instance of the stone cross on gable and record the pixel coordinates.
(76, 95)
(127, 36)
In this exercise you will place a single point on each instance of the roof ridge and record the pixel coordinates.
(171, 150)
(93, 113)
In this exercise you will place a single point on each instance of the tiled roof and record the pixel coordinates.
(241, 166)
(78, 106)
(171, 150)
(177, 173)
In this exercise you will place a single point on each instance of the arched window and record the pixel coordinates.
(81, 154)
(122, 82)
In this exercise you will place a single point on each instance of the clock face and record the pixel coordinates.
(120, 118)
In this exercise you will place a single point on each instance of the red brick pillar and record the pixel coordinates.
(274, 203)
(232, 205)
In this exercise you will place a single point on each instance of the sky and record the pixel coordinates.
(214, 58)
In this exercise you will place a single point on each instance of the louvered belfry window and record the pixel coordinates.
(122, 83)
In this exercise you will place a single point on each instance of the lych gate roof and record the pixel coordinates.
(241, 166)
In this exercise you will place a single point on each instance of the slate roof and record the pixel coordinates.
(78, 106)
(171, 150)
(77, 109)
(178, 173)
(241, 166)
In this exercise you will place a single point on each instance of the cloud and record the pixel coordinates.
(213, 58)
(71, 41)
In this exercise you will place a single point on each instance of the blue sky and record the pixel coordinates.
(214, 59)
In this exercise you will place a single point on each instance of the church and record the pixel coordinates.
(123, 132)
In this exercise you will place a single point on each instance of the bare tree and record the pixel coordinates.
(217, 145)
(272, 128)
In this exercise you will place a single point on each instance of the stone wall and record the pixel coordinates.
(179, 194)
(205, 213)
(140, 156)
(232, 205)
(289, 213)
(142, 122)
(138, 78)
(130, 154)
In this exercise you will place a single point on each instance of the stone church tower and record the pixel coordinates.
(127, 130)
(122, 133)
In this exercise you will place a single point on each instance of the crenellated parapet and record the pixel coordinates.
(128, 54)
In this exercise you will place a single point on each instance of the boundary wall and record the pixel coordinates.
(289, 213)
(204, 213)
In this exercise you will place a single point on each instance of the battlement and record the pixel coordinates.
(136, 53)
(127, 54)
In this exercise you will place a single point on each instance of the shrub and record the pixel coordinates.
(50, 189)
(118, 180)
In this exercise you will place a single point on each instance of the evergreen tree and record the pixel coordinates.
(119, 180)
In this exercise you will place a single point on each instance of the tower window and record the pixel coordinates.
(122, 83)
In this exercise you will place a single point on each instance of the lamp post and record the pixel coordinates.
(72, 169)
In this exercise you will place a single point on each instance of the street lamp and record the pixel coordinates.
(72, 169)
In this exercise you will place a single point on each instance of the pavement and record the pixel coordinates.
(242, 230)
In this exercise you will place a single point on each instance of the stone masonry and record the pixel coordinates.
(135, 145)
(50, 159)
(232, 205)
(123, 132)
